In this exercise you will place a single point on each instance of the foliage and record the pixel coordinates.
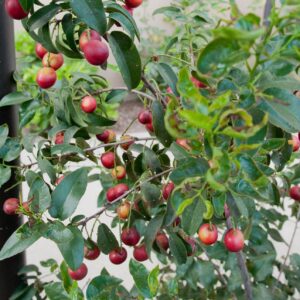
(225, 89)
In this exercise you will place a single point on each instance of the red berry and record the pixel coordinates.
(167, 190)
(88, 104)
(40, 50)
(128, 138)
(91, 254)
(118, 172)
(149, 127)
(59, 138)
(108, 160)
(140, 253)
(107, 136)
(123, 210)
(52, 60)
(145, 117)
(295, 192)
(11, 206)
(78, 274)
(198, 84)
(162, 241)
(87, 36)
(116, 192)
(129, 9)
(46, 77)
(118, 256)
(234, 240)
(133, 3)
(208, 234)
(295, 143)
(96, 52)
(130, 236)
(15, 10)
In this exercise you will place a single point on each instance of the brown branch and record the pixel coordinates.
(267, 12)
(108, 204)
(241, 263)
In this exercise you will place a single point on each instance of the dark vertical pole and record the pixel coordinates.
(8, 224)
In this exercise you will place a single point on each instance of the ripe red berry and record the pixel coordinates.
(59, 138)
(162, 241)
(78, 274)
(130, 140)
(96, 52)
(87, 36)
(145, 117)
(234, 240)
(133, 3)
(208, 234)
(40, 51)
(150, 127)
(129, 9)
(295, 143)
(15, 10)
(52, 60)
(116, 192)
(295, 192)
(107, 136)
(46, 77)
(130, 236)
(118, 172)
(108, 160)
(167, 190)
(88, 104)
(140, 253)
(118, 256)
(91, 254)
(123, 210)
(197, 83)
(11, 206)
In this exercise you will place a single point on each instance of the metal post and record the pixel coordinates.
(8, 224)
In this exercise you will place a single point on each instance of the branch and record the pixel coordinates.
(242, 264)
(108, 204)
(267, 12)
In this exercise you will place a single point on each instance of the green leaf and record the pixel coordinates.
(106, 240)
(92, 13)
(21, 239)
(101, 285)
(26, 4)
(5, 174)
(70, 242)
(169, 76)
(14, 98)
(56, 291)
(42, 16)
(127, 58)
(67, 194)
(153, 281)
(151, 193)
(11, 150)
(283, 109)
(159, 124)
(178, 249)
(3, 134)
(238, 34)
(140, 276)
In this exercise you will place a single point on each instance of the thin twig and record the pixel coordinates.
(108, 204)
(267, 12)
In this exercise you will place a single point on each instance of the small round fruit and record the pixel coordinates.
(59, 138)
(129, 9)
(108, 160)
(107, 136)
(208, 234)
(140, 253)
(116, 192)
(52, 60)
(197, 83)
(130, 236)
(118, 172)
(133, 3)
(40, 51)
(145, 117)
(184, 144)
(295, 143)
(123, 210)
(59, 180)
(150, 127)
(46, 77)
(96, 52)
(118, 256)
(15, 10)
(91, 254)
(11, 206)
(87, 36)
(162, 241)
(125, 138)
(88, 104)
(167, 190)
(78, 274)
(295, 192)
(234, 240)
